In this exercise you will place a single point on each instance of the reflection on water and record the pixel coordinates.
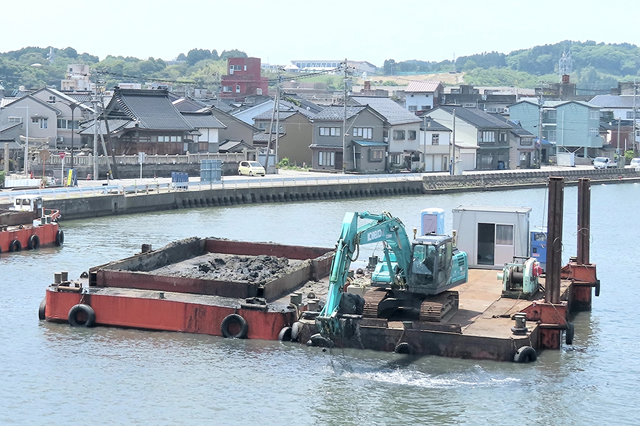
(54, 373)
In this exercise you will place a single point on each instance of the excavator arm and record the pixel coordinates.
(382, 228)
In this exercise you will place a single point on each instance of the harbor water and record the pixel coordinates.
(52, 373)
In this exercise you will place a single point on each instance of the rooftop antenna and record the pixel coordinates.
(51, 56)
(565, 64)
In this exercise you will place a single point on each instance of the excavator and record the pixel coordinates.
(410, 282)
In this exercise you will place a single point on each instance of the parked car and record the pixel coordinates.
(604, 163)
(635, 163)
(250, 168)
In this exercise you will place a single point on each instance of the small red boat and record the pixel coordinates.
(28, 225)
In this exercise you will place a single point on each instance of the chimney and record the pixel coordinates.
(565, 78)
(367, 86)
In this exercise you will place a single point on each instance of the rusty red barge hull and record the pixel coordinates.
(22, 231)
(128, 293)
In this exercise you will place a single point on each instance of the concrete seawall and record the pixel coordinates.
(115, 204)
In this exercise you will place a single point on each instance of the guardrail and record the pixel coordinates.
(228, 182)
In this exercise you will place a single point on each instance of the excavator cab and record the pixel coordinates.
(431, 264)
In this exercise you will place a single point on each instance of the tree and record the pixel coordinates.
(389, 67)
(197, 55)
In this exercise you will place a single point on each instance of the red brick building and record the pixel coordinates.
(243, 79)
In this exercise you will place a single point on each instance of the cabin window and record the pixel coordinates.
(504, 235)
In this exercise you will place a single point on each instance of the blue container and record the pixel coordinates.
(211, 171)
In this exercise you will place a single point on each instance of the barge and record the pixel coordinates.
(508, 314)
(209, 286)
(28, 225)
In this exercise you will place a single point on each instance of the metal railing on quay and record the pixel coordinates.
(227, 183)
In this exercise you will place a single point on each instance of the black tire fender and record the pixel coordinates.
(597, 292)
(34, 242)
(569, 333)
(234, 318)
(60, 238)
(15, 246)
(404, 348)
(42, 309)
(318, 340)
(285, 334)
(525, 354)
(88, 312)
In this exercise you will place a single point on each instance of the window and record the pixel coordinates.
(551, 135)
(526, 141)
(329, 131)
(551, 115)
(630, 115)
(237, 88)
(413, 107)
(44, 123)
(503, 136)
(326, 158)
(504, 235)
(412, 135)
(435, 139)
(398, 135)
(593, 132)
(226, 88)
(363, 132)
(396, 159)
(376, 154)
(52, 99)
(35, 120)
(488, 137)
(594, 114)
(425, 107)
(62, 123)
(15, 119)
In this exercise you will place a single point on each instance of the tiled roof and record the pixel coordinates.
(516, 128)
(429, 123)
(476, 117)
(423, 86)
(336, 113)
(183, 105)
(201, 120)
(114, 126)
(151, 109)
(282, 115)
(390, 110)
(614, 101)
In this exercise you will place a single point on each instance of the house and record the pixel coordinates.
(401, 130)
(435, 145)
(295, 132)
(146, 121)
(363, 150)
(421, 96)
(52, 117)
(488, 99)
(523, 147)
(10, 134)
(253, 107)
(243, 79)
(235, 129)
(573, 126)
(481, 140)
(208, 126)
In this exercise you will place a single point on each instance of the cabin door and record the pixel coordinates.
(486, 243)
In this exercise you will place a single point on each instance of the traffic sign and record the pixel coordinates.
(62, 154)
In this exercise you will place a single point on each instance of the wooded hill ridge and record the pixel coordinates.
(596, 67)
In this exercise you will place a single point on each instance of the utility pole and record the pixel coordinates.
(539, 144)
(452, 151)
(344, 122)
(26, 144)
(635, 112)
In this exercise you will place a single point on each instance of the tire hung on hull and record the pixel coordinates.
(34, 242)
(82, 315)
(234, 326)
(59, 238)
(15, 246)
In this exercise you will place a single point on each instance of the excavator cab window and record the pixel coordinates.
(444, 262)
(424, 262)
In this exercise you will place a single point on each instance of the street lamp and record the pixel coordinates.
(26, 143)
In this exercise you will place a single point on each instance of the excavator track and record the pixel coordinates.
(437, 308)
(372, 299)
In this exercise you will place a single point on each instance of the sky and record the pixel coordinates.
(279, 31)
